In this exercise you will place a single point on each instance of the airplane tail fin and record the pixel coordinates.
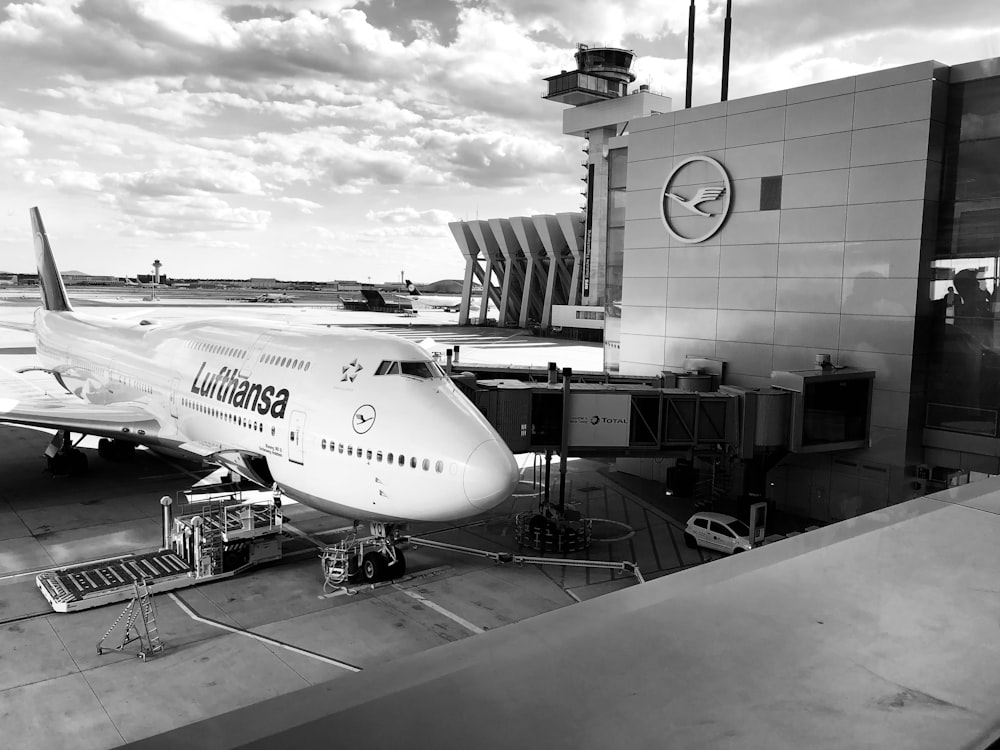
(49, 281)
(411, 288)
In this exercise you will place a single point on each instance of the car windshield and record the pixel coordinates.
(739, 527)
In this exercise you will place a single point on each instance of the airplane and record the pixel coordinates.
(273, 298)
(446, 302)
(332, 418)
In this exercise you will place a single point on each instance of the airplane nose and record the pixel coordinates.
(491, 474)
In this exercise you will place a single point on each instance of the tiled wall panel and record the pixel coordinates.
(832, 269)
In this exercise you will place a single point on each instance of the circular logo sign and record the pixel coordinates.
(364, 418)
(696, 198)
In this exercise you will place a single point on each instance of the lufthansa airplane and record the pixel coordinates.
(446, 302)
(326, 415)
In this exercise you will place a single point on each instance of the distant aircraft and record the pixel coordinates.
(273, 298)
(447, 302)
(333, 418)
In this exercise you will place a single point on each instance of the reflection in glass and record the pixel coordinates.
(964, 357)
(614, 257)
(963, 384)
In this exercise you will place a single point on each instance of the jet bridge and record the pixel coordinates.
(807, 411)
(597, 419)
(741, 433)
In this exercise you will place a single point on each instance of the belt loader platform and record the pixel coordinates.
(207, 539)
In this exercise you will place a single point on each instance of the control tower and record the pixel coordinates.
(602, 73)
(600, 110)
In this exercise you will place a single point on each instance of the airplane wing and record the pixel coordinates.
(26, 327)
(23, 402)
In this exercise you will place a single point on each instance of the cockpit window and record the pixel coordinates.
(425, 370)
(421, 369)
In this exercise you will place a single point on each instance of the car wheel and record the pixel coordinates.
(690, 541)
(737, 550)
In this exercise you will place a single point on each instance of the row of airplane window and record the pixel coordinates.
(232, 351)
(204, 346)
(274, 359)
(388, 458)
(239, 420)
(133, 383)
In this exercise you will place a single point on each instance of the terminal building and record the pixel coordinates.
(855, 221)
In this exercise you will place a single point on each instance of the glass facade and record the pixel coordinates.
(614, 257)
(963, 387)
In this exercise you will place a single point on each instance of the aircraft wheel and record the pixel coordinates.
(70, 462)
(373, 567)
(690, 541)
(124, 450)
(77, 462)
(56, 463)
(115, 450)
(396, 569)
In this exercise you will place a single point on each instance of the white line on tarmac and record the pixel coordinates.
(441, 610)
(262, 638)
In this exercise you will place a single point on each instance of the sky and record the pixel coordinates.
(331, 139)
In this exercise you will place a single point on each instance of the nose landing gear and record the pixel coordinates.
(369, 559)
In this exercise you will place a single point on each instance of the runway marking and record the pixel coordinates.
(262, 638)
(441, 610)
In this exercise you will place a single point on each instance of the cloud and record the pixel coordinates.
(386, 233)
(303, 205)
(411, 216)
(202, 119)
(180, 216)
(13, 142)
(184, 182)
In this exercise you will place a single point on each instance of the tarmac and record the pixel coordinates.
(275, 630)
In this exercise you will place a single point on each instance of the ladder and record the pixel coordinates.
(336, 565)
(141, 606)
(212, 531)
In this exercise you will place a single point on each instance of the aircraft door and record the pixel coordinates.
(296, 428)
(173, 398)
(259, 347)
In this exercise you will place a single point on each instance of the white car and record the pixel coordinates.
(717, 531)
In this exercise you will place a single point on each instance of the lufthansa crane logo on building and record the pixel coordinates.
(696, 199)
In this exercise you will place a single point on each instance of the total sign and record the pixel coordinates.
(696, 199)
(597, 419)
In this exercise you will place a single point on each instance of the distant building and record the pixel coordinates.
(76, 278)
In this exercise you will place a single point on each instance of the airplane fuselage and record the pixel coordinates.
(330, 412)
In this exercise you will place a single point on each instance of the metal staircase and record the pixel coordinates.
(141, 607)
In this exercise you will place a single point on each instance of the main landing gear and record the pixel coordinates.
(367, 559)
(115, 450)
(63, 457)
